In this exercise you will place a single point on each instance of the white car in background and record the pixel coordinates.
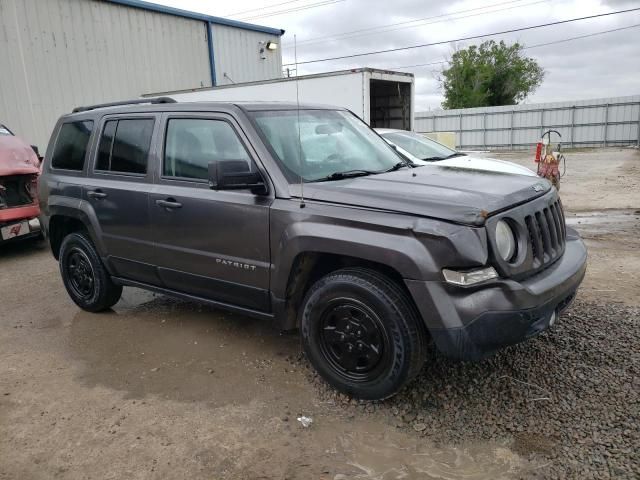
(422, 150)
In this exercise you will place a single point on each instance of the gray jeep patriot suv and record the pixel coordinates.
(306, 216)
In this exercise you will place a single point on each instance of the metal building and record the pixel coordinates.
(58, 54)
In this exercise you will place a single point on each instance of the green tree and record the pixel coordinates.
(489, 75)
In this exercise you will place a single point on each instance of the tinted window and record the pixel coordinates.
(71, 145)
(192, 143)
(124, 146)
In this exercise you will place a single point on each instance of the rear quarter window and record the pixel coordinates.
(71, 145)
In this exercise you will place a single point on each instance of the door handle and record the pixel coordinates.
(96, 194)
(169, 203)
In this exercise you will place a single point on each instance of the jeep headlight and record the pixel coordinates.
(505, 241)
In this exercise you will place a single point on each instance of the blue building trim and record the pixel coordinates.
(197, 16)
(212, 58)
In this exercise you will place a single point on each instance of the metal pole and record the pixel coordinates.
(606, 123)
(484, 130)
(638, 139)
(541, 122)
(573, 122)
(511, 131)
(460, 130)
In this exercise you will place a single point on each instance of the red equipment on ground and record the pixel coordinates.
(549, 159)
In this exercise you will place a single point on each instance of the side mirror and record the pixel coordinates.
(235, 175)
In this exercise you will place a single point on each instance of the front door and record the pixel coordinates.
(118, 190)
(212, 244)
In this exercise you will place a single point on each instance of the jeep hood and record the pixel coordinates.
(455, 194)
(16, 157)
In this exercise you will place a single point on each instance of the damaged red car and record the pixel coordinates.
(19, 171)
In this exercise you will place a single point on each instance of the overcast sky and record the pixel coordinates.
(601, 66)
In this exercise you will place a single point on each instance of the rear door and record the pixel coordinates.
(118, 188)
(213, 244)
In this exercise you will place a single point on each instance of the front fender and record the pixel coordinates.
(389, 241)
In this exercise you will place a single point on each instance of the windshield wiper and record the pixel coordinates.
(345, 174)
(454, 154)
(399, 165)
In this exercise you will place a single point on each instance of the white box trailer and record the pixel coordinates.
(382, 98)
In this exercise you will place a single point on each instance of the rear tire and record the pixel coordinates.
(84, 276)
(362, 333)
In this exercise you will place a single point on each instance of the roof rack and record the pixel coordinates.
(125, 102)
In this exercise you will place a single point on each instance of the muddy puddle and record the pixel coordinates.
(604, 222)
(157, 345)
(386, 454)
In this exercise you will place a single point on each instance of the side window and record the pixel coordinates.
(192, 143)
(71, 145)
(124, 145)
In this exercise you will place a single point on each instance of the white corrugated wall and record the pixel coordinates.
(237, 54)
(58, 54)
(597, 122)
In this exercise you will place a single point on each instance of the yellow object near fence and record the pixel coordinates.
(446, 138)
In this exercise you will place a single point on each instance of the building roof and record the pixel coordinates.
(197, 16)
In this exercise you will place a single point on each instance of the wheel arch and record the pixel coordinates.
(64, 219)
(309, 266)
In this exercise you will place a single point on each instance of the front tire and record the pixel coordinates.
(362, 333)
(85, 278)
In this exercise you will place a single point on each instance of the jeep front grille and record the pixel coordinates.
(547, 234)
(539, 226)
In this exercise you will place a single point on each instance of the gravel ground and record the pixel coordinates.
(568, 400)
(161, 388)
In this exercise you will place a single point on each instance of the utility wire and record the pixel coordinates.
(266, 7)
(472, 37)
(594, 34)
(419, 65)
(582, 36)
(290, 10)
(406, 24)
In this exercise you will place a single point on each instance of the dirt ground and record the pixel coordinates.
(161, 388)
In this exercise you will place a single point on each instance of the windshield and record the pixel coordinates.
(331, 142)
(419, 146)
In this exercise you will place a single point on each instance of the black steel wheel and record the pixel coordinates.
(80, 272)
(362, 334)
(353, 339)
(85, 278)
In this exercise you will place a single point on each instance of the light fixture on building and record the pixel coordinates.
(264, 46)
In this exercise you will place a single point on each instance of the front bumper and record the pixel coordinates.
(471, 323)
(15, 214)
